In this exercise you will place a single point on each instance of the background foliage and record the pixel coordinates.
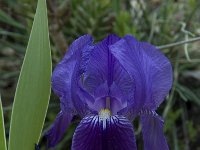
(156, 21)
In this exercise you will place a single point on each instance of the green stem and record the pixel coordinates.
(179, 43)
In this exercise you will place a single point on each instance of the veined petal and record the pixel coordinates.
(148, 67)
(104, 95)
(96, 133)
(57, 130)
(66, 75)
(152, 129)
(101, 64)
(66, 84)
(103, 69)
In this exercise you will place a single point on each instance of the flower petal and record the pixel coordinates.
(66, 75)
(102, 93)
(152, 129)
(93, 133)
(103, 69)
(57, 130)
(101, 64)
(148, 67)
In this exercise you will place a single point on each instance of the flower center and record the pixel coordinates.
(104, 114)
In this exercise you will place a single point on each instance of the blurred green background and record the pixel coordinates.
(156, 21)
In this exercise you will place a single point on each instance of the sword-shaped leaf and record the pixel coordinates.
(33, 89)
(2, 129)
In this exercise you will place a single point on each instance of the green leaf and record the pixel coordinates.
(2, 129)
(33, 89)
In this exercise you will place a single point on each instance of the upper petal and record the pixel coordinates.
(66, 75)
(148, 67)
(114, 133)
(101, 64)
(103, 69)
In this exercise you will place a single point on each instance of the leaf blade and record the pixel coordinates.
(2, 129)
(33, 89)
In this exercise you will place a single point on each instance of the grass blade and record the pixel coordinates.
(33, 89)
(9, 20)
(2, 129)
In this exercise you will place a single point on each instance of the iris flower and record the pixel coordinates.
(109, 84)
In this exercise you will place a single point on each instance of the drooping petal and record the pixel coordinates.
(114, 133)
(66, 75)
(148, 67)
(57, 130)
(152, 129)
(104, 68)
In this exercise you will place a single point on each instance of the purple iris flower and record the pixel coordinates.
(109, 84)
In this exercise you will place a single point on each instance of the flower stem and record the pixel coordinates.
(179, 43)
